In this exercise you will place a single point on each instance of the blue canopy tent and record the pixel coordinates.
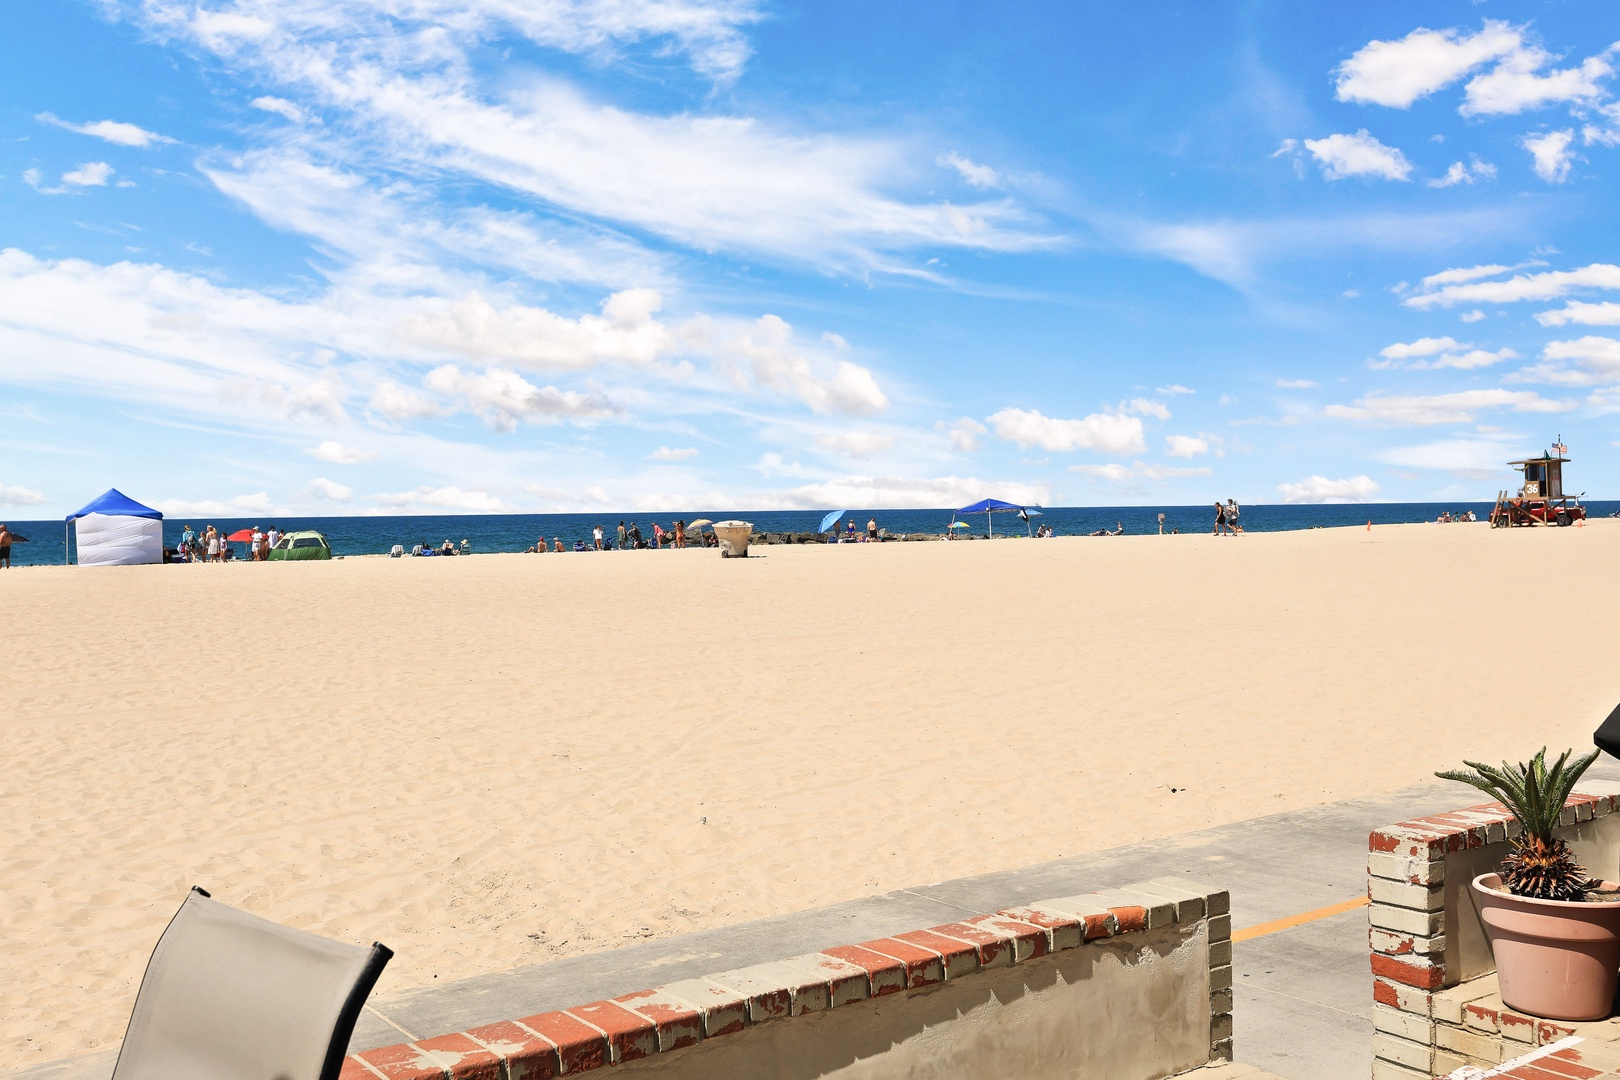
(115, 530)
(988, 507)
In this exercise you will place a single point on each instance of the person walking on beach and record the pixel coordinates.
(622, 534)
(596, 537)
(5, 548)
(1220, 518)
(1232, 517)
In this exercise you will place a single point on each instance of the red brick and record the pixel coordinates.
(1566, 1070)
(1534, 1071)
(630, 1035)
(1548, 1032)
(885, 974)
(579, 1046)
(678, 1024)
(527, 1056)
(1029, 940)
(355, 1069)
(462, 1058)
(1063, 931)
(960, 958)
(924, 966)
(403, 1062)
(1130, 918)
(993, 947)
(1423, 976)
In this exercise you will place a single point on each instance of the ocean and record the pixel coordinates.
(515, 532)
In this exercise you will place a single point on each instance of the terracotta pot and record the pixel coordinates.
(1556, 959)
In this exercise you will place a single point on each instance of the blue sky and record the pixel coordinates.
(361, 256)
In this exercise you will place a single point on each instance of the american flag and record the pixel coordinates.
(1561, 448)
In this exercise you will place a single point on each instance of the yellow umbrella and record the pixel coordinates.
(699, 523)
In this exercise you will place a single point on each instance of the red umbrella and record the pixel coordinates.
(240, 536)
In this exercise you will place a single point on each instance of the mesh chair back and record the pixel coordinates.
(231, 996)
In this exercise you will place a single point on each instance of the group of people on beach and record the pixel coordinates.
(630, 538)
(1226, 518)
(210, 545)
(1447, 517)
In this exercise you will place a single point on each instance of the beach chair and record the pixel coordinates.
(231, 996)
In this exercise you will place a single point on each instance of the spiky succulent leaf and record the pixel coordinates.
(1540, 865)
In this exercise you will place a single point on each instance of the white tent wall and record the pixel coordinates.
(115, 540)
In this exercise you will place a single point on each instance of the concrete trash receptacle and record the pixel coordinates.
(733, 537)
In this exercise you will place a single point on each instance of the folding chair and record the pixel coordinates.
(231, 996)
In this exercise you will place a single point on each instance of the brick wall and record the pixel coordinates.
(1433, 978)
(804, 994)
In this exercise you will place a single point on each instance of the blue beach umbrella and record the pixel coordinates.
(830, 521)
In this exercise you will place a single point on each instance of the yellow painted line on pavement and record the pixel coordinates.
(1301, 919)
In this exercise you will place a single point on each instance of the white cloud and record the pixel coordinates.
(855, 444)
(241, 506)
(407, 74)
(1447, 352)
(764, 354)
(538, 339)
(281, 107)
(900, 494)
(337, 454)
(1185, 446)
(395, 402)
(501, 397)
(1113, 433)
(1585, 361)
(1514, 85)
(1551, 152)
(90, 174)
(1460, 173)
(1397, 73)
(1173, 389)
(1115, 473)
(1548, 285)
(964, 434)
(1464, 274)
(1475, 457)
(330, 490)
(665, 453)
(1606, 313)
(442, 500)
(112, 131)
(979, 176)
(1453, 408)
(14, 495)
(1146, 407)
(1319, 489)
(1296, 384)
(1472, 316)
(1358, 155)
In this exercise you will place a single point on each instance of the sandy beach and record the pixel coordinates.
(491, 761)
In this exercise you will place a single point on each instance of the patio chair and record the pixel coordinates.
(231, 996)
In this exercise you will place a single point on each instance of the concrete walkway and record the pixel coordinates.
(1303, 995)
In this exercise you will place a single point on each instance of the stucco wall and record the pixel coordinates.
(1125, 1009)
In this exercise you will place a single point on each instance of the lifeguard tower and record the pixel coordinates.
(1541, 499)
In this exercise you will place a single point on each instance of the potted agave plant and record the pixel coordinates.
(1555, 933)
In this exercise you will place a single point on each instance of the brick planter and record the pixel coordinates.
(1434, 988)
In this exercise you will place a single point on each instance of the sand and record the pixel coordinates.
(492, 761)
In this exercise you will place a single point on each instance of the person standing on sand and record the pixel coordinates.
(622, 534)
(871, 528)
(1220, 517)
(680, 535)
(270, 539)
(658, 536)
(596, 537)
(188, 544)
(257, 545)
(213, 545)
(5, 548)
